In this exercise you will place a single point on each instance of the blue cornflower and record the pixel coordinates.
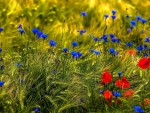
(106, 16)
(129, 44)
(133, 23)
(145, 55)
(138, 17)
(39, 34)
(21, 31)
(147, 39)
(65, 50)
(36, 110)
(76, 54)
(44, 36)
(81, 31)
(21, 80)
(116, 94)
(148, 49)
(83, 13)
(20, 26)
(96, 39)
(129, 30)
(79, 54)
(104, 37)
(2, 67)
(138, 109)
(35, 30)
(74, 44)
(1, 50)
(141, 47)
(112, 35)
(52, 43)
(111, 50)
(127, 16)
(102, 92)
(105, 40)
(113, 12)
(143, 20)
(19, 64)
(1, 83)
(96, 52)
(114, 39)
(131, 27)
(1, 29)
(113, 17)
(119, 74)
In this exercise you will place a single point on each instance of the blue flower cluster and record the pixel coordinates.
(138, 109)
(147, 39)
(39, 33)
(81, 31)
(95, 52)
(76, 54)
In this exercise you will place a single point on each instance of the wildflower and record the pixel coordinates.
(1, 50)
(113, 17)
(116, 94)
(147, 39)
(144, 63)
(81, 31)
(129, 44)
(141, 47)
(146, 102)
(138, 109)
(111, 50)
(96, 52)
(129, 30)
(127, 16)
(1, 29)
(36, 110)
(112, 35)
(21, 31)
(19, 65)
(21, 80)
(123, 83)
(74, 44)
(76, 54)
(1, 83)
(131, 52)
(44, 36)
(39, 34)
(128, 94)
(2, 67)
(113, 12)
(108, 96)
(34, 30)
(143, 20)
(138, 17)
(119, 74)
(65, 50)
(106, 16)
(83, 13)
(106, 77)
(20, 26)
(96, 39)
(145, 55)
(133, 23)
(52, 43)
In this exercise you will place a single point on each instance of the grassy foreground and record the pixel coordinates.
(70, 56)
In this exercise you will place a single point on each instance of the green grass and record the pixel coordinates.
(53, 80)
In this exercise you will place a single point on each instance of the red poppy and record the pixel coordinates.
(128, 94)
(123, 83)
(144, 63)
(108, 96)
(106, 77)
(131, 52)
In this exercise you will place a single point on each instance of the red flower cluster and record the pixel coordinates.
(144, 63)
(128, 94)
(108, 96)
(106, 77)
(123, 83)
(131, 52)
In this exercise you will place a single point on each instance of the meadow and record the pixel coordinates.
(71, 56)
